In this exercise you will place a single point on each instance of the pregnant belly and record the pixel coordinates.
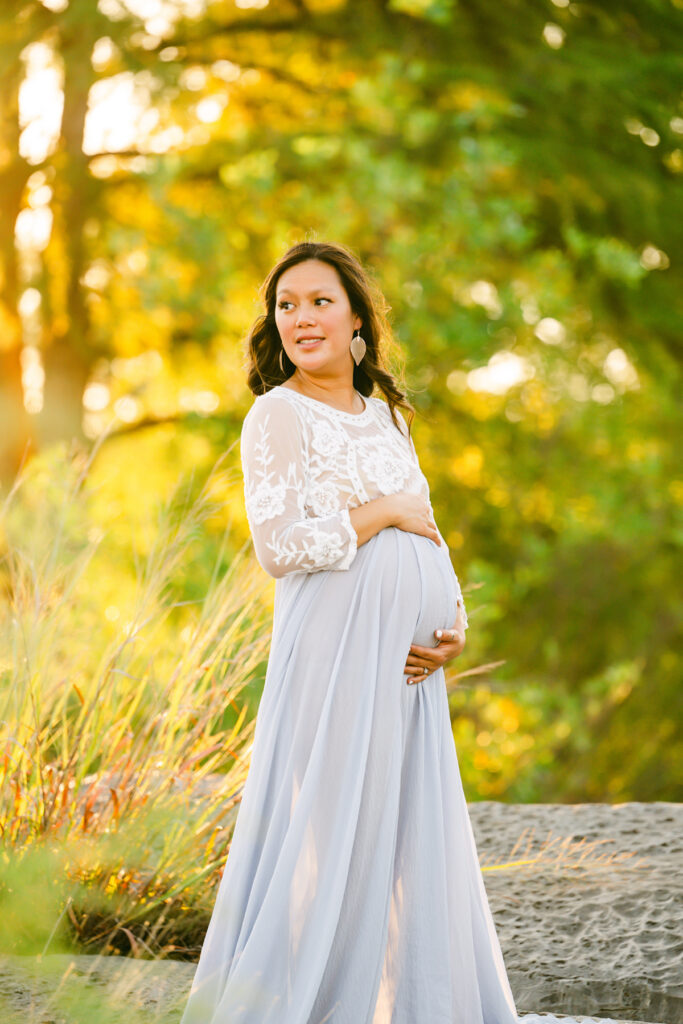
(416, 572)
(401, 584)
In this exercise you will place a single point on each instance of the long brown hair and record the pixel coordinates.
(367, 302)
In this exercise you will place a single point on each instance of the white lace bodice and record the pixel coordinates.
(306, 464)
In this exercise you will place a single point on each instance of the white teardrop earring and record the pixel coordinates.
(358, 347)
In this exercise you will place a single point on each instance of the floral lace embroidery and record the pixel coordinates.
(385, 468)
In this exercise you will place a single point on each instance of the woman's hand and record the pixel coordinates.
(451, 643)
(412, 513)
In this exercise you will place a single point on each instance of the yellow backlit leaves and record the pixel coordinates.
(468, 465)
(472, 97)
(323, 6)
(498, 496)
(538, 504)
(562, 729)
(481, 760)
(479, 404)
(503, 716)
(674, 161)
(676, 491)
(535, 400)
(499, 739)
(584, 511)
(416, 7)
(640, 449)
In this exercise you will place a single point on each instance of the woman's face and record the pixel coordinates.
(315, 320)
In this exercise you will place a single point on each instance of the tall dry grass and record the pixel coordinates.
(123, 746)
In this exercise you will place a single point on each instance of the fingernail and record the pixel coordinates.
(439, 632)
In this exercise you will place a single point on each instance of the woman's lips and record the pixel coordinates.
(309, 344)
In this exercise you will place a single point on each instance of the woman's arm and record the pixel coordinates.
(286, 541)
(407, 511)
(370, 518)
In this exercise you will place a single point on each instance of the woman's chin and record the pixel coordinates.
(314, 360)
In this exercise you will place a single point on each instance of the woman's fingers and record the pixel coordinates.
(454, 638)
(417, 663)
(431, 654)
(417, 675)
(449, 644)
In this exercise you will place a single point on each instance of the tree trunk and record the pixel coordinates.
(69, 351)
(15, 423)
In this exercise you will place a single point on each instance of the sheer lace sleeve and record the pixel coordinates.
(286, 541)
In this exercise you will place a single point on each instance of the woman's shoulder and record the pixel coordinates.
(277, 397)
(272, 406)
(385, 412)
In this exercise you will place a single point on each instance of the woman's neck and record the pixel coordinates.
(336, 392)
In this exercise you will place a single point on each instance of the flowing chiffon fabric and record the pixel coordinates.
(352, 891)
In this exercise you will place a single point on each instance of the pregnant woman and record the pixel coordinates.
(352, 893)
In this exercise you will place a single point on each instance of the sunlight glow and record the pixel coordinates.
(620, 370)
(653, 258)
(29, 303)
(103, 52)
(550, 331)
(226, 70)
(120, 114)
(530, 311)
(485, 294)
(116, 108)
(158, 16)
(96, 397)
(553, 35)
(128, 409)
(198, 401)
(33, 228)
(32, 378)
(503, 371)
(650, 137)
(647, 135)
(137, 369)
(40, 196)
(41, 103)
(210, 109)
(602, 393)
(193, 78)
(97, 276)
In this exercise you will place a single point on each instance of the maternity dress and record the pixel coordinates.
(352, 893)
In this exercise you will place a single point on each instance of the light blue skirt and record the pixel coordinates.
(352, 893)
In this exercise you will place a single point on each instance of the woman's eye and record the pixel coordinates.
(284, 302)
